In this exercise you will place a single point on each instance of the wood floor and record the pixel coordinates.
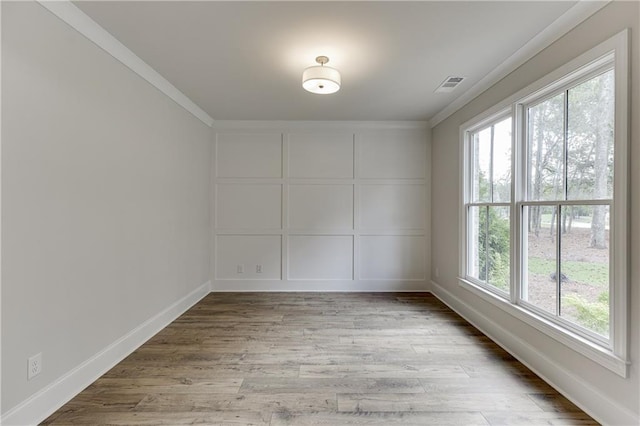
(329, 359)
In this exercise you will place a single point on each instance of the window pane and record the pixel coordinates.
(540, 257)
(590, 139)
(481, 158)
(502, 161)
(584, 263)
(477, 251)
(499, 245)
(546, 146)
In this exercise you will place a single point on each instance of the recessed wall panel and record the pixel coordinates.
(389, 257)
(343, 204)
(398, 154)
(328, 207)
(392, 207)
(243, 206)
(240, 257)
(321, 155)
(320, 257)
(256, 155)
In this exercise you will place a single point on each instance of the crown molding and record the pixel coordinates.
(288, 125)
(82, 23)
(558, 28)
(78, 20)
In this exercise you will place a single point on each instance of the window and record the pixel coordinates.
(488, 211)
(543, 228)
(565, 215)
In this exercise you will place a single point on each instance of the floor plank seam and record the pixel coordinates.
(311, 359)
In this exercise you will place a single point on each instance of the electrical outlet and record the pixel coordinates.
(437, 272)
(258, 269)
(34, 366)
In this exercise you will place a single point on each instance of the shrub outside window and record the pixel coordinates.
(488, 212)
(544, 204)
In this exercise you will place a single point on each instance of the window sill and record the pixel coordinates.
(603, 356)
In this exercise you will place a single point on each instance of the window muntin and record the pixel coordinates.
(570, 141)
(609, 351)
(489, 210)
(566, 252)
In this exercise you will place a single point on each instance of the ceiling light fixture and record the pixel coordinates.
(320, 79)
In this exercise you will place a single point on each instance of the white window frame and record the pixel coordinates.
(611, 353)
(468, 202)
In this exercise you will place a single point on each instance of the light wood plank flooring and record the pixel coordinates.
(320, 359)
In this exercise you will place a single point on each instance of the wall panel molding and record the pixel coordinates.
(342, 229)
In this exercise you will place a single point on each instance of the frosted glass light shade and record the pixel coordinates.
(321, 80)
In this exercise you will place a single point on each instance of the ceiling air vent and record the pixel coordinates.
(449, 84)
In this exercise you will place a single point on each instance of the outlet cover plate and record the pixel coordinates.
(34, 366)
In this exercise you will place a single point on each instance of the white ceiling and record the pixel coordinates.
(244, 60)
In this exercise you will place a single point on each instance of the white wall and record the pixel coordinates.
(321, 206)
(105, 201)
(609, 397)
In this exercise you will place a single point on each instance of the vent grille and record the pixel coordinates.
(449, 84)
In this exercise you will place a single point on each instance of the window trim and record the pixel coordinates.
(491, 120)
(616, 356)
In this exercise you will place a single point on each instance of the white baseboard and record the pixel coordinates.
(374, 286)
(45, 402)
(592, 400)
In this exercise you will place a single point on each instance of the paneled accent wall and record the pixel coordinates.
(321, 206)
